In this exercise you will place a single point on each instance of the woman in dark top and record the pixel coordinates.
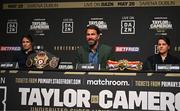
(163, 57)
(26, 50)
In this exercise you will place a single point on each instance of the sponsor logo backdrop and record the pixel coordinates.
(58, 27)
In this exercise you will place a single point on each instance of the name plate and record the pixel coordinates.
(66, 66)
(8, 65)
(88, 66)
(167, 67)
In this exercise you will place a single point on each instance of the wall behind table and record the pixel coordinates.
(63, 42)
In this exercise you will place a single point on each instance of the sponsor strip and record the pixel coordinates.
(2, 71)
(35, 72)
(172, 75)
(112, 73)
(149, 74)
(75, 73)
(13, 71)
(125, 74)
(95, 4)
(100, 73)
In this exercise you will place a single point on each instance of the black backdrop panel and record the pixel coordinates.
(62, 29)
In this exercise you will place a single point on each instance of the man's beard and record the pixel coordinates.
(92, 42)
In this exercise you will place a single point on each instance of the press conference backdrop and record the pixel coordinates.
(130, 27)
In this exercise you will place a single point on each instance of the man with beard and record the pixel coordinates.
(94, 52)
(163, 57)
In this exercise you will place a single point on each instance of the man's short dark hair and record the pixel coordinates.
(29, 37)
(93, 27)
(166, 39)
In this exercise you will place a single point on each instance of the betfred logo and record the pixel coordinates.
(126, 49)
(10, 48)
